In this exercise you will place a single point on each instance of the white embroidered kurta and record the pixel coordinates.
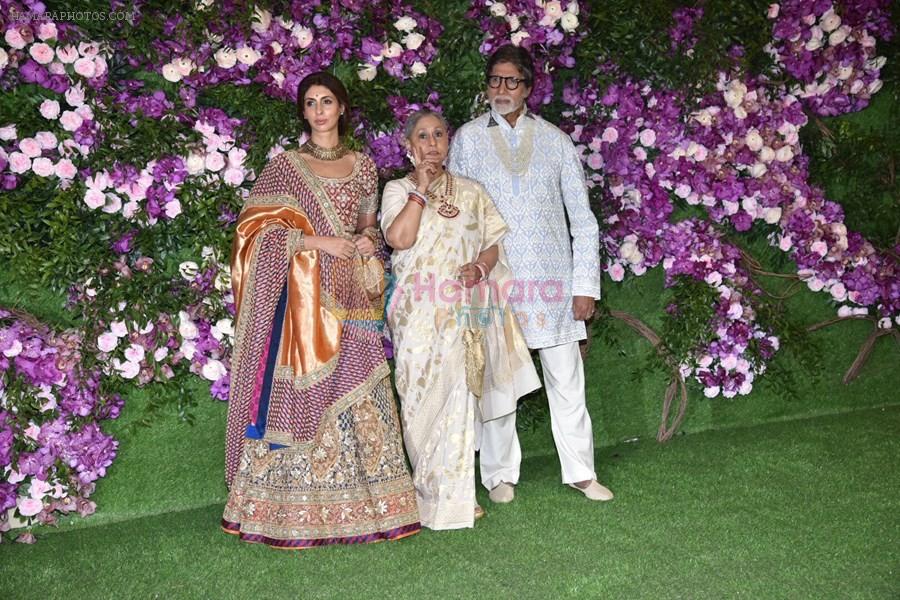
(550, 260)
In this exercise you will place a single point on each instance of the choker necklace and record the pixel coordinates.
(443, 197)
(317, 151)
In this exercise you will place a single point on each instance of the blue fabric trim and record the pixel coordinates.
(268, 376)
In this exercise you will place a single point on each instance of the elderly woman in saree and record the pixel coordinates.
(459, 353)
(313, 448)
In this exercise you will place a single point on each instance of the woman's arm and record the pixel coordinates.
(403, 231)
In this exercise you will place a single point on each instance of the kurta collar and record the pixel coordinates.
(497, 120)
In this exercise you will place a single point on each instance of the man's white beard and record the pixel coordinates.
(505, 108)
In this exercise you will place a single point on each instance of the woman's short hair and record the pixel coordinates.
(517, 57)
(410, 126)
(334, 85)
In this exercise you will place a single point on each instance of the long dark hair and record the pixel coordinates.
(337, 88)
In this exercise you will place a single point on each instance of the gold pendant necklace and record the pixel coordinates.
(515, 162)
(327, 154)
(443, 198)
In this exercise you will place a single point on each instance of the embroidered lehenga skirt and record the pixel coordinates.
(313, 450)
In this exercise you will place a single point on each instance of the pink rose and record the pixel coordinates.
(32, 431)
(56, 68)
(88, 49)
(28, 507)
(617, 272)
(50, 109)
(19, 163)
(30, 147)
(648, 138)
(47, 31)
(14, 38)
(65, 169)
(595, 161)
(75, 96)
(42, 166)
(610, 134)
(71, 120)
(85, 67)
(8, 132)
(99, 66)
(42, 53)
(214, 161)
(233, 176)
(46, 139)
(67, 54)
(94, 198)
(173, 208)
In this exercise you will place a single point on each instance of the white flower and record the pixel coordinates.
(247, 55)
(303, 35)
(876, 63)
(214, 161)
(13, 350)
(758, 169)
(171, 73)
(261, 20)
(223, 281)
(569, 22)
(134, 353)
(276, 49)
(226, 326)
(766, 155)
(414, 40)
(226, 57)
(517, 37)
(160, 353)
(4, 59)
(189, 270)
(367, 73)
(884, 323)
(711, 392)
(186, 327)
(196, 163)
(647, 138)
(498, 9)
(107, 341)
(392, 50)
(784, 154)
(773, 11)
(127, 369)
(553, 9)
(629, 251)
(838, 292)
(753, 140)
(772, 215)
(829, 21)
(213, 370)
(875, 86)
(513, 21)
(573, 7)
(184, 65)
(418, 68)
(406, 24)
(8, 132)
(838, 36)
(118, 328)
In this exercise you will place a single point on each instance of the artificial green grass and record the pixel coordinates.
(798, 509)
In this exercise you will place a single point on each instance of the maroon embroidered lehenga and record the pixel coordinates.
(313, 448)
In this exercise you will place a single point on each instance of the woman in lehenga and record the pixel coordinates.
(460, 356)
(313, 448)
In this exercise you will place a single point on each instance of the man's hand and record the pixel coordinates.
(582, 307)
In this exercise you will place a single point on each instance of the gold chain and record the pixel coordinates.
(328, 154)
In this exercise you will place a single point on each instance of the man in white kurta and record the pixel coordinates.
(533, 173)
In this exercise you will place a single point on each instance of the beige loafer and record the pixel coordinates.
(594, 491)
(503, 493)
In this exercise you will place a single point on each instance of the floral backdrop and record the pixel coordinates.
(131, 132)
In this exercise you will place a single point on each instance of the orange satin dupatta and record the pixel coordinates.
(311, 333)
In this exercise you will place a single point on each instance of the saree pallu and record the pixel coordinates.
(436, 327)
(313, 445)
